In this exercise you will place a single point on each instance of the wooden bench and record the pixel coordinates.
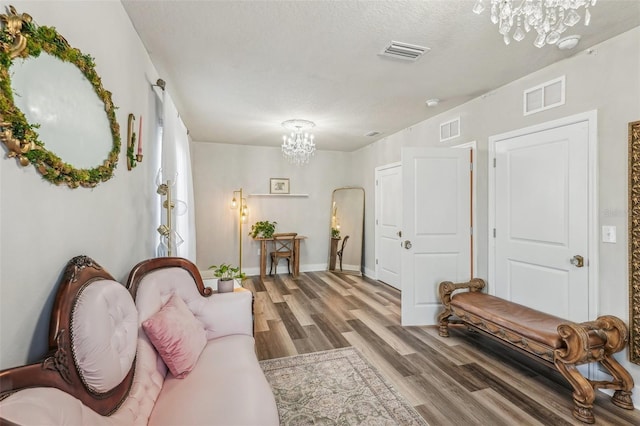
(555, 341)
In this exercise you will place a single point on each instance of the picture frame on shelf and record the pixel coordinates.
(279, 186)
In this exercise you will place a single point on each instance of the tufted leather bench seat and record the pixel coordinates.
(548, 338)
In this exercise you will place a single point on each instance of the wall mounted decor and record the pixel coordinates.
(83, 142)
(634, 242)
(131, 142)
(133, 156)
(279, 186)
(139, 153)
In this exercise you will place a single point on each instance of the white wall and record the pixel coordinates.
(43, 226)
(607, 80)
(220, 169)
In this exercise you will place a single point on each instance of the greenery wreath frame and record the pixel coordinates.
(20, 37)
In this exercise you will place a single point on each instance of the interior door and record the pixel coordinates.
(541, 220)
(388, 224)
(436, 245)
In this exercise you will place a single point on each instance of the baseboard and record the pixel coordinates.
(347, 267)
(635, 397)
(254, 271)
(370, 273)
(314, 268)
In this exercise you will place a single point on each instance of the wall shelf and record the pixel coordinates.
(279, 195)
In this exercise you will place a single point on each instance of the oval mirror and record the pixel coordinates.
(61, 100)
(55, 114)
(347, 230)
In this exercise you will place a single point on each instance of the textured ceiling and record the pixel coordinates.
(238, 69)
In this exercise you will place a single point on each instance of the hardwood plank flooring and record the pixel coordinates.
(466, 379)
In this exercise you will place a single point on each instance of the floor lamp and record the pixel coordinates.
(242, 217)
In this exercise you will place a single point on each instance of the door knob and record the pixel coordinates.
(407, 244)
(577, 261)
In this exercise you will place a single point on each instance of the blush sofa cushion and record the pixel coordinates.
(177, 335)
(227, 387)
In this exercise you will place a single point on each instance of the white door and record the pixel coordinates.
(436, 226)
(541, 220)
(388, 224)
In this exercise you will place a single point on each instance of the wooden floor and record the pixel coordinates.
(466, 379)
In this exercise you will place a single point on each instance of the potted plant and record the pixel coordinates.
(226, 275)
(335, 233)
(263, 229)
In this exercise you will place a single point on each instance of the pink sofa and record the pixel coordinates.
(103, 370)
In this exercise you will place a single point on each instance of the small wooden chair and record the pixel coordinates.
(283, 249)
(339, 253)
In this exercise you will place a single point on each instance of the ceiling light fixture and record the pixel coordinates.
(549, 18)
(298, 147)
(568, 42)
(432, 102)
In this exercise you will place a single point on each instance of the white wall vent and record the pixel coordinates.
(544, 96)
(405, 51)
(450, 130)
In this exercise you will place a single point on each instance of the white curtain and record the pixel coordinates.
(176, 161)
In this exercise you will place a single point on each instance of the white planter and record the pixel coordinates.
(225, 286)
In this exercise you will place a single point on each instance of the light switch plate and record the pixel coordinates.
(608, 234)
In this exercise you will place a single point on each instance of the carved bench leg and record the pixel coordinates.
(583, 393)
(445, 290)
(617, 338)
(622, 396)
(443, 320)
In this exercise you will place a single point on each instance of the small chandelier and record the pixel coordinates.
(549, 18)
(298, 147)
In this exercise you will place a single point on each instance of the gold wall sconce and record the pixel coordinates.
(133, 156)
(240, 203)
(169, 238)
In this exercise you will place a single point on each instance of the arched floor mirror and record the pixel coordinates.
(346, 230)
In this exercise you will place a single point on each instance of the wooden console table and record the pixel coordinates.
(296, 255)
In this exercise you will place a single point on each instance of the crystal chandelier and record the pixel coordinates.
(549, 18)
(298, 147)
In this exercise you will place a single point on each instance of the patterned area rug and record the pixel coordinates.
(336, 387)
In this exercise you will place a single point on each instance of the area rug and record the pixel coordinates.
(336, 387)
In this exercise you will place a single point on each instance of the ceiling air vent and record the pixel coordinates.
(450, 129)
(405, 51)
(544, 96)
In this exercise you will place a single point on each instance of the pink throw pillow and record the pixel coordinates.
(177, 335)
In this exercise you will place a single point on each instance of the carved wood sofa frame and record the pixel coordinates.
(578, 348)
(58, 368)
